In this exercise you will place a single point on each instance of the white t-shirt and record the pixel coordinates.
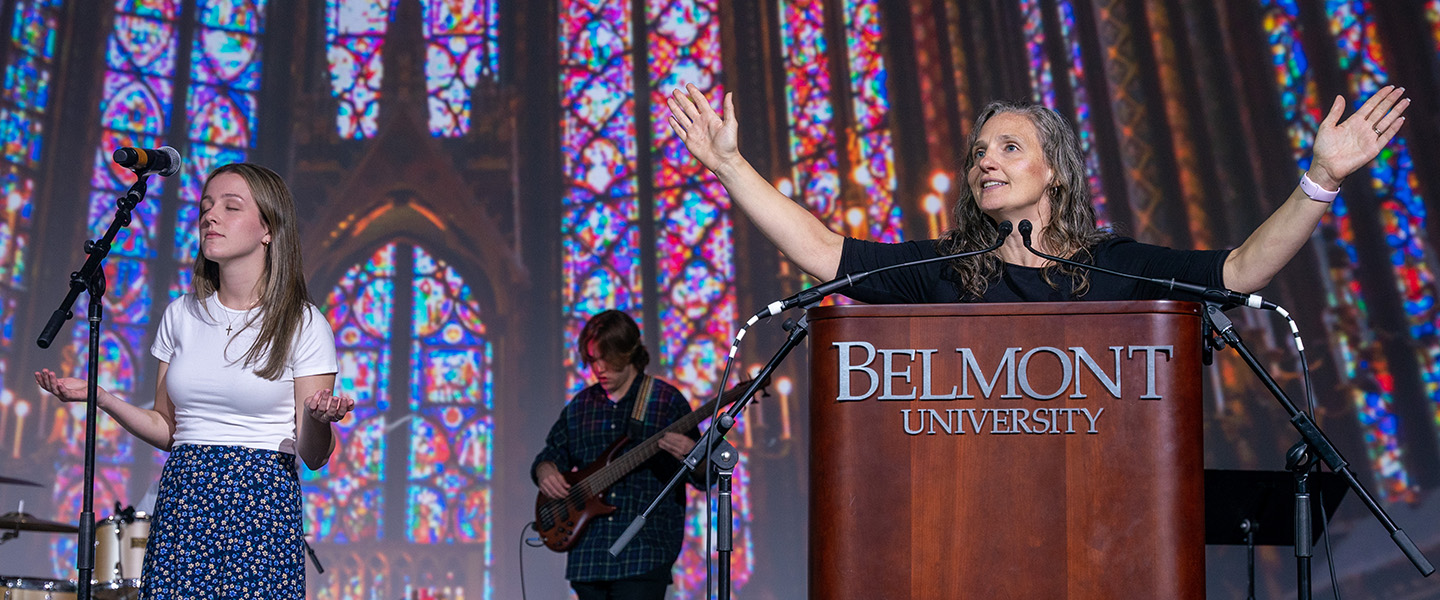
(220, 401)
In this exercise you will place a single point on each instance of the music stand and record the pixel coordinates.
(1250, 508)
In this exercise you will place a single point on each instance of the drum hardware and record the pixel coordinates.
(19, 521)
(30, 588)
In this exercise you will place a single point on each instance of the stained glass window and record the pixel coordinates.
(220, 109)
(462, 49)
(345, 501)
(1355, 346)
(137, 100)
(810, 113)
(138, 103)
(24, 101)
(1042, 85)
(600, 212)
(1403, 213)
(452, 402)
(449, 464)
(873, 156)
(694, 252)
(603, 216)
(354, 36)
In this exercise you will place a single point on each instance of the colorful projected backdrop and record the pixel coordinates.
(224, 78)
(23, 104)
(1394, 183)
(1042, 85)
(815, 132)
(608, 179)
(1353, 343)
(462, 48)
(441, 493)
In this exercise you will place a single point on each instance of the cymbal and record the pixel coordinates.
(28, 522)
(14, 481)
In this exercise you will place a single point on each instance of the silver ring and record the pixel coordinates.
(1376, 130)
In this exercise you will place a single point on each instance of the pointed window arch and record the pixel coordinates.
(413, 346)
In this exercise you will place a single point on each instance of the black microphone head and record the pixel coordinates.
(1005, 228)
(1025, 229)
(164, 161)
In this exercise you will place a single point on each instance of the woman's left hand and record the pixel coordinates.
(1341, 148)
(327, 408)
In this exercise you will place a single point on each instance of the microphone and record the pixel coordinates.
(1220, 295)
(817, 293)
(164, 161)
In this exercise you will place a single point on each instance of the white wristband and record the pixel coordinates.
(1314, 191)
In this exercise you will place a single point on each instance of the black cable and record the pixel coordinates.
(709, 468)
(1319, 494)
(531, 542)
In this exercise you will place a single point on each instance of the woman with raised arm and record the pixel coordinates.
(1023, 162)
(247, 367)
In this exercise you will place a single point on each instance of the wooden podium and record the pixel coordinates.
(1075, 473)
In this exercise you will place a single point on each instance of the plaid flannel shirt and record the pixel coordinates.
(586, 427)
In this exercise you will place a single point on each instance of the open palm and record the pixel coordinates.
(710, 138)
(1343, 147)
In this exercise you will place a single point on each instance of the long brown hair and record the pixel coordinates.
(1072, 230)
(284, 297)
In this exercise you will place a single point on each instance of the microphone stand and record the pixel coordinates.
(91, 279)
(1301, 457)
(712, 444)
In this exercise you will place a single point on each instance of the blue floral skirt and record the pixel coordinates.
(226, 525)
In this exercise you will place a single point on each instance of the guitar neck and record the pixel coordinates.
(620, 467)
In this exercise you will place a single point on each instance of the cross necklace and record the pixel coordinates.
(230, 321)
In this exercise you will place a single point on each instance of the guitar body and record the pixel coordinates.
(560, 522)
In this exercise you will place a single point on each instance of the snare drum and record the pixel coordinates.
(25, 588)
(108, 534)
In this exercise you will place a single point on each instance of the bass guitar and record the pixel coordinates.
(561, 522)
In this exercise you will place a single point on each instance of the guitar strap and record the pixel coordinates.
(642, 401)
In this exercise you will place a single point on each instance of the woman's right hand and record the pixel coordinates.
(711, 139)
(68, 389)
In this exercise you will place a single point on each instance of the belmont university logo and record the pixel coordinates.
(1014, 392)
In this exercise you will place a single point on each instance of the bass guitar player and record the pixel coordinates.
(623, 402)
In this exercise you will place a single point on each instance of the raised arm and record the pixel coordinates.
(1340, 148)
(154, 425)
(714, 141)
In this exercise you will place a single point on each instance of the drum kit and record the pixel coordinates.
(119, 554)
